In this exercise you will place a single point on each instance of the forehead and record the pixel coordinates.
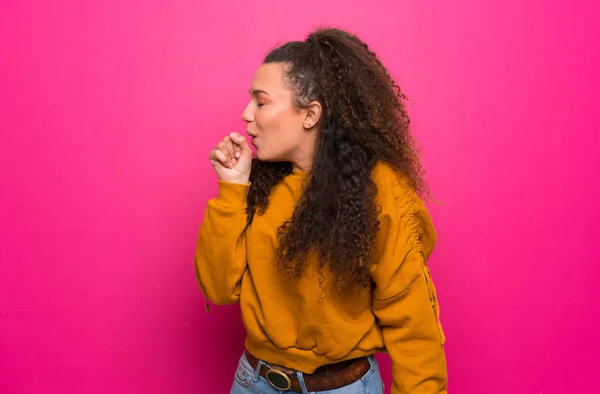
(269, 77)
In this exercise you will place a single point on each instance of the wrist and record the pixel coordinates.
(232, 194)
(237, 181)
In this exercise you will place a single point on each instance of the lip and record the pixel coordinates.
(252, 136)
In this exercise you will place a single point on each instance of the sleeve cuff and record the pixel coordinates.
(232, 194)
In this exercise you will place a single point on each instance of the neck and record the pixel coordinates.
(303, 166)
(304, 155)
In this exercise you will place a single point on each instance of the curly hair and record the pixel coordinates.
(364, 121)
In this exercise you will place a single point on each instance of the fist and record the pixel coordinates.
(232, 159)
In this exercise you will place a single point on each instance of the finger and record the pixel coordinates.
(229, 145)
(230, 150)
(242, 143)
(222, 146)
(237, 151)
(221, 157)
(212, 156)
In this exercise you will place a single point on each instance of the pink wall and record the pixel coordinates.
(108, 110)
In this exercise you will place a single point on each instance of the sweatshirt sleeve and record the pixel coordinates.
(404, 298)
(220, 258)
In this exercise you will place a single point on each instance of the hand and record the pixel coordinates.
(232, 159)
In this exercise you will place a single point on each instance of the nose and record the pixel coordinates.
(248, 115)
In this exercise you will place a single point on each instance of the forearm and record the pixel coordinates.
(414, 339)
(221, 250)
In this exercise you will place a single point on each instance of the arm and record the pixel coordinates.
(220, 258)
(404, 301)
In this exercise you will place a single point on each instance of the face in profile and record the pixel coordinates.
(279, 131)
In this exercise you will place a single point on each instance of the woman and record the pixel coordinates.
(323, 238)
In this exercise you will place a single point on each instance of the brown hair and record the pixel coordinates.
(364, 121)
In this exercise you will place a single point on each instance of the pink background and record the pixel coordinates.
(108, 111)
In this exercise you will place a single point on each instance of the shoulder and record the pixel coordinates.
(385, 171)
(391, 182)
(401, 205)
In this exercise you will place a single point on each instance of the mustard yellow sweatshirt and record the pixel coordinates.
(285, 322)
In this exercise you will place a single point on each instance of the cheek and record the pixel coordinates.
(270, 116)
(279, 130)
(271, 122)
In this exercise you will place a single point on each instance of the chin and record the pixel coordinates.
(271, 155)
(260, 155)
(267, 158)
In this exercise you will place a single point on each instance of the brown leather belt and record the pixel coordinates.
(327, 377)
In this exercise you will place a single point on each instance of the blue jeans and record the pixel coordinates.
(248, 381)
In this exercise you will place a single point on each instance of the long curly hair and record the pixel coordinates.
(363, 121)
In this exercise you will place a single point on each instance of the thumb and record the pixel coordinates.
(241, 142)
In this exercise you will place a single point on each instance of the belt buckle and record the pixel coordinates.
(280, 380)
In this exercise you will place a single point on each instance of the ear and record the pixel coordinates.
(312, 115)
